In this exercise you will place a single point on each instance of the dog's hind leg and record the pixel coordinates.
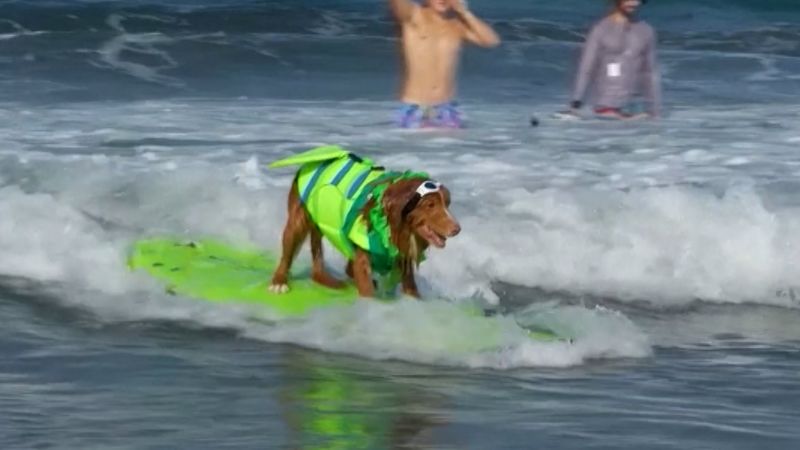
(318, 272)
(298, 224)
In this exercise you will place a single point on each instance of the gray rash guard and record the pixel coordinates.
(619, 60)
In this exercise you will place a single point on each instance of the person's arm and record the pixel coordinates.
(652, 78)
(586, 67)
(402, 9)
(475, 30)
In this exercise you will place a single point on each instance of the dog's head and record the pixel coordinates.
(421, 207)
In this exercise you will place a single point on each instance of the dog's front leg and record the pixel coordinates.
(298, 225)
(408, 280)
(362, 274)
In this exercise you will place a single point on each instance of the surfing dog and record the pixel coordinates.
(382, 222)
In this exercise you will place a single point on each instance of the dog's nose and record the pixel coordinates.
(456, 229)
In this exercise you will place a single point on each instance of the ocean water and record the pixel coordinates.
(669, 250)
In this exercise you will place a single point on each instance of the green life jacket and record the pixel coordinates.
(334, 185)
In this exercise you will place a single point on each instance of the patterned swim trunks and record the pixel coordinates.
(444, 115)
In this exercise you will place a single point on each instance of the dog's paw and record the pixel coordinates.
(279, 288)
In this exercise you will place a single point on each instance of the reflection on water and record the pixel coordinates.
(333, 403)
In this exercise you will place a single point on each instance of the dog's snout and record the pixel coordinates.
(455, 230)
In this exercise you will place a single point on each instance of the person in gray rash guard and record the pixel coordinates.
(618, 62)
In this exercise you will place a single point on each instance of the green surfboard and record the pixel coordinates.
(215, 271)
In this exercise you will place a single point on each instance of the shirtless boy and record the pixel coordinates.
(432, 34)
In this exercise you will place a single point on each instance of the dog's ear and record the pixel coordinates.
(397, 196)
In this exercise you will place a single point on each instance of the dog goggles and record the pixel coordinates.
(427, 187)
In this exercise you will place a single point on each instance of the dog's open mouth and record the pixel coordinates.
(435, 239)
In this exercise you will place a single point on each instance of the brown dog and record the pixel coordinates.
(415, 208)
